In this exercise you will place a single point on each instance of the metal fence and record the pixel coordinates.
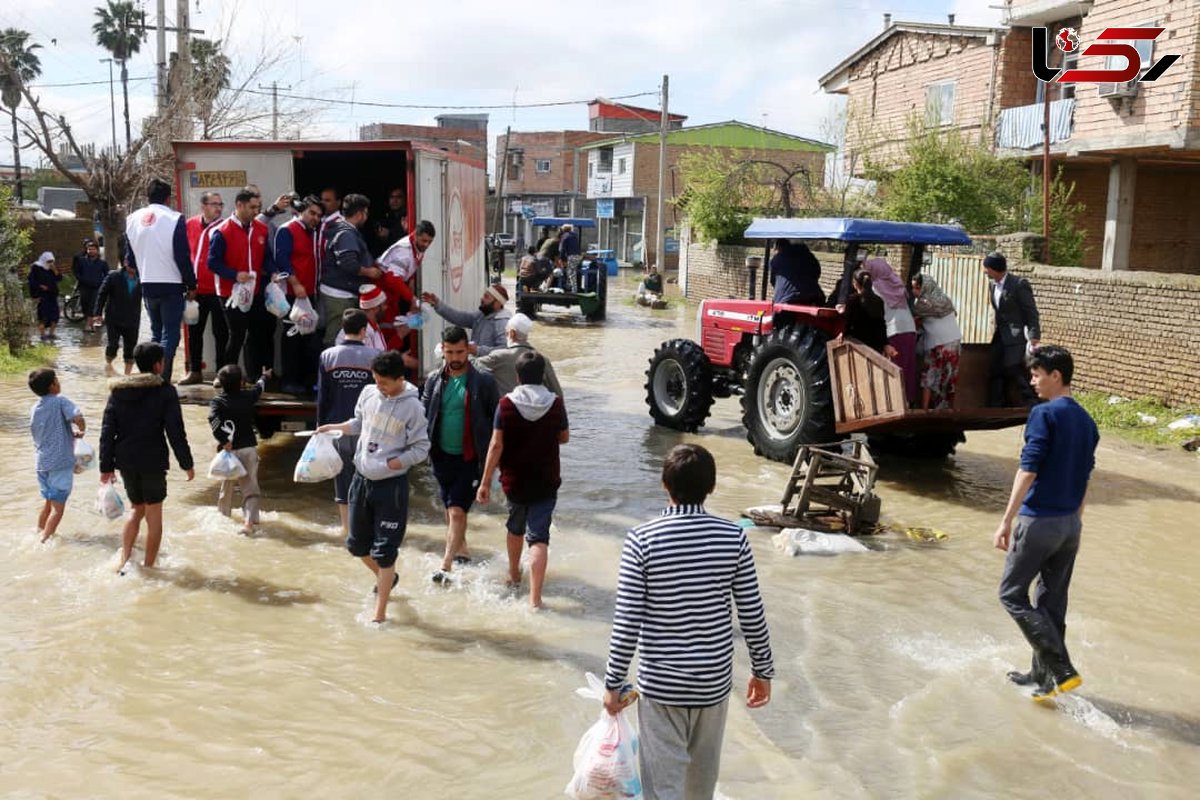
(960, 274)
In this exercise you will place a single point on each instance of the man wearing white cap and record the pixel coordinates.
(502, 362)
(487, 324)
(371, 300)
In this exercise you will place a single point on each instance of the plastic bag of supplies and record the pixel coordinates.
(303, 318)
(605, 761)
(241, 296)
(275, 299)
(320, 460)
(225, 466)
(108, 501)
(191, 313)
(85, 456)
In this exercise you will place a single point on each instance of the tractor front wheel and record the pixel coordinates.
(679, 385)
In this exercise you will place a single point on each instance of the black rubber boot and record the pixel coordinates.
(1049, 651)
(1036, 674)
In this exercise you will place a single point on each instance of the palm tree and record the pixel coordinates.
(118, 31)
(210, 77)
(19, 65)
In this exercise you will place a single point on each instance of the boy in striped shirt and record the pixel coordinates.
(677, 574)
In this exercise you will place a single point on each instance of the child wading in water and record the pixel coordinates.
(50, 422)
(231, 415)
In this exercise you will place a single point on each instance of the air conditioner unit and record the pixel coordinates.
(1110, 90)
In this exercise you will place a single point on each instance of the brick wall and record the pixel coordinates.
(63, 237)
(1131, 332)
(568, 169)
(1015, 82)
(1160, 110)
(888, 85)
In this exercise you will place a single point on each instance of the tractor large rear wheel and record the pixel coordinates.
(679, 385)
(788, 401)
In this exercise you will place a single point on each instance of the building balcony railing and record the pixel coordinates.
(1020, 127)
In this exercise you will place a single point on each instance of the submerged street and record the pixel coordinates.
(246, 666)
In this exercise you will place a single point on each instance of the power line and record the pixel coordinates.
(81, 83)
(547, 104)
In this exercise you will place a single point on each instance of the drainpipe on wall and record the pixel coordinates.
(994, 39)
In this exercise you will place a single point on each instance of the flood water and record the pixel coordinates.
(246, 666)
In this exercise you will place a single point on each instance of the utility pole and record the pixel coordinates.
(161, 37)
(274, 87)
(502, 168)
(660, 235)
(183, 66)
(112, 103)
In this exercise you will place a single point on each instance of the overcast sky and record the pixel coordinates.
(753, 60)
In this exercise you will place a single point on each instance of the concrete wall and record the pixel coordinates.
(1132, 333)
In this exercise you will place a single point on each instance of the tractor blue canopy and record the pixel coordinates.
(848, 229)
(578, 222)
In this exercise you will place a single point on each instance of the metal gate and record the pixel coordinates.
(961, 276)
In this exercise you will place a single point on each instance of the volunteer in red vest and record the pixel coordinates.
(237, 253)
(198, 229)
(157, 246)
(401, 263)
(296, 256)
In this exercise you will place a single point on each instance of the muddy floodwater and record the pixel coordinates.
(246, 667)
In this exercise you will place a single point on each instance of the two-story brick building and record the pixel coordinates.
(544, 172)
(1132, 150)
(625, 172)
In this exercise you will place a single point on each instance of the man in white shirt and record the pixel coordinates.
(157, 245)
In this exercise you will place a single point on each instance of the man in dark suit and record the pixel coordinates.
(1018, 330)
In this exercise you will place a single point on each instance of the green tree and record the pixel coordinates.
(946, 177)
(1066, 237)
(118, 30)
(713, 197)
(16, 311)
(19, 65)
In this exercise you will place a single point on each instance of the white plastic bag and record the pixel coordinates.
(108, 501)
(225, 466)
(191, 313)
(275, 299)
(320, 460)
(303, 317)
(85, 456)
(241, 296)
(606, 758)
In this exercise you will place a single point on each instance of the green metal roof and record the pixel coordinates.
(732, 134)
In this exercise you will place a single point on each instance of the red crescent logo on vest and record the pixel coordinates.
(148, 220)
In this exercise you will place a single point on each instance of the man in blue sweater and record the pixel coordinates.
(1042, 523)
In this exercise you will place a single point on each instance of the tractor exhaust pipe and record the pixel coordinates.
(753, 265)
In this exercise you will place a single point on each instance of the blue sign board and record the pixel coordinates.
(604, 208)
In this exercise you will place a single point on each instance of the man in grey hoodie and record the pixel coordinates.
(389, 421)
(531, 423)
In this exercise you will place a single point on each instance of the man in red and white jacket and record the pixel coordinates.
(198, 228)
(237, 253)
(296, 256)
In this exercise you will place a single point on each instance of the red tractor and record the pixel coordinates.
(779, 357)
